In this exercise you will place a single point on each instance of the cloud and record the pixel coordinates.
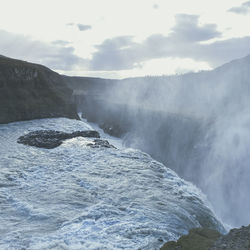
(186, 40)
(243, 9)
(215, 53)
(155, 6)
(220, 52)
(83, 27)
(52, 55)
(187, 29)
(122, 53)
(61, 42)
(246, 4)
(113, 54)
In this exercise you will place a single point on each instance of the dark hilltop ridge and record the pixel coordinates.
(31, 91)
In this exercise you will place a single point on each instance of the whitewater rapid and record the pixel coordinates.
(78, 197)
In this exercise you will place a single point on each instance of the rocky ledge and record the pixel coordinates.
(236, 239)
(52, 139)
(207, 239)
(197, 239)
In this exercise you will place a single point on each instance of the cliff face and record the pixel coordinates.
(87, 91)
(31, 91)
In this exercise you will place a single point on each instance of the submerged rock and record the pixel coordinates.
(98, 143)
(51, 138)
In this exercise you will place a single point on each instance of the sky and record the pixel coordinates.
(125, 38)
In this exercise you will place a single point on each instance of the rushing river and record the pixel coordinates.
(78, 197)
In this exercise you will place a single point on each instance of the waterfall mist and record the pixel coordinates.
(198, 124)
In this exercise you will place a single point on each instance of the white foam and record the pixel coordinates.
(77, 197)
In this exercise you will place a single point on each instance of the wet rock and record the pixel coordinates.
(51, 138)
(207, 239)
(197, 239)
(236, 239)
(98, 143)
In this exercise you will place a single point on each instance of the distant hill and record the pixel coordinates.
(30, 91)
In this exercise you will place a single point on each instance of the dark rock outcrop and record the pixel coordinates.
(31, 91)
(236, 239)
(98, 143)
(52, 139)
(208, 239)
(197, 239)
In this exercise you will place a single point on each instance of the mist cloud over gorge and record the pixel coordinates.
(197, 124)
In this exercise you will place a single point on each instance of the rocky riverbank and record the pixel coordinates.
(236, 239)
(208, 239)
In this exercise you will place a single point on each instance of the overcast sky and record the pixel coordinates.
(123, 38)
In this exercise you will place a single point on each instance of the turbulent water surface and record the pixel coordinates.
(78, 197)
